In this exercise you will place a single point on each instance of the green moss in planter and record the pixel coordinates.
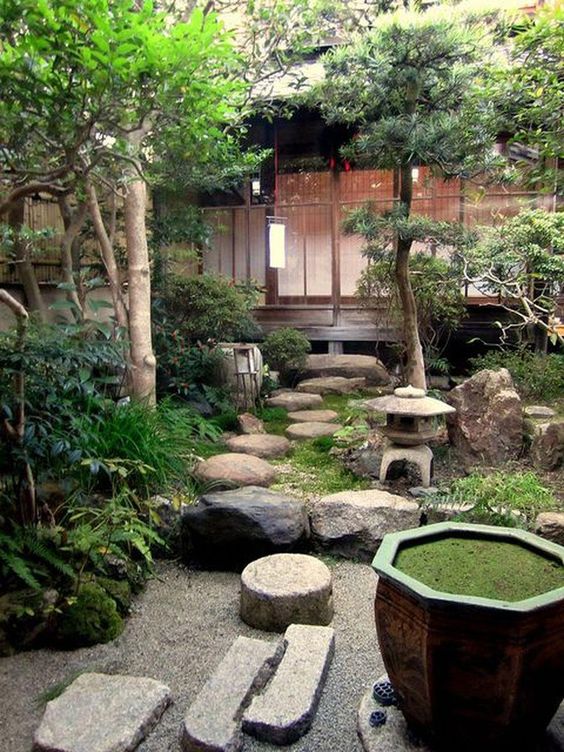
(483, 568)
(91, 618)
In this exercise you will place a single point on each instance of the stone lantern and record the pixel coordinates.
(410, 424)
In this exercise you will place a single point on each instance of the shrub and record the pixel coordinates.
(286, 350)
(536, 376)
(208, 307)
(512, 499)
(90, 618)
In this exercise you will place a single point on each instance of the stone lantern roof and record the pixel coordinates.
(409, 401)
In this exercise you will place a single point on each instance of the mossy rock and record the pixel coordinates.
(92, 618)
(119, 590)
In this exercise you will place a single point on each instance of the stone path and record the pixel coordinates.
(331, 385)
(312, 430)
(262, 445)
(295, 401)
(102, 713)
(313, 416)
(236, 469)
(285, 589)
(285, 710)
(213, 720)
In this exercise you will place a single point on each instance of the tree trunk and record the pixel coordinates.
(108, 257)
(73, 221)
(26, 272)
(415, 371)
(14, 429)
(143, 362)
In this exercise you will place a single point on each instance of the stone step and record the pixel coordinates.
(295, 401)
(331, 385)
(264, 445)
(312, 416)
(311, 430)
(213, 722)
(102, 713)
(285, 710)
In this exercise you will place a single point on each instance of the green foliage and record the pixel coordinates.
(30, 555)
(119, 590)
(209, 307)
(437, 287)
(148, 449)
(522, 263)
(91, 617)
(531, 96)
(275, 419)
(414, 84)
(285, 350)
(537, 377)
(501, 498)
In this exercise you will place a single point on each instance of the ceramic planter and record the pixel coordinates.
(470, 673)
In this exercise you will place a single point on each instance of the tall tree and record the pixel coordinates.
(412, 87)
(100, 96)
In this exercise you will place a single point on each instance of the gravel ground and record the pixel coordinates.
(180, 628)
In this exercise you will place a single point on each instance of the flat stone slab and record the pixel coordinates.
(285, 589)
(236, 469)
(313, 416)
(312, 430)
(539, 411)
(237, 526)
(102, 713)
(295, 401)
(213, 722)
(353, 523)
(550, 525)
(265, 445)
(348, 366)
(393, 736)
(285, 710)
(331, 385)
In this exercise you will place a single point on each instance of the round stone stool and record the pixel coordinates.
(285, 589)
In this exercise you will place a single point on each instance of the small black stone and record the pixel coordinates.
(378, 718)
(384, 693)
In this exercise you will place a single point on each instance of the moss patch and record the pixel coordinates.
(484, 568)
(312, 471)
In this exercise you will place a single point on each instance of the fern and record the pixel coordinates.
(30, 558)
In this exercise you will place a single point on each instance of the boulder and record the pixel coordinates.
(550, 525)
(488, 424)
(312, 430)
(102, 713)
(317, 416)
(331, 385)
(234, 527)
(236, 469)
(250, 424)
(353, 523)
(347, 366)
(264, 445)
(295, 401)
(547, 445)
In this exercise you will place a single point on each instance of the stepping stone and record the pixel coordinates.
(264, 445)
(102, 713)
(312, 430)
(250, 424)
(348, 366)
(295, 401)
(285, 710)
(213, 722)
(539, 411)
(353, 523)
(236, 469)
(235, 527)
(331, 385)
(313, 416)
(285, 589)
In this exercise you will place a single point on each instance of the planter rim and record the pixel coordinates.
(384, 567)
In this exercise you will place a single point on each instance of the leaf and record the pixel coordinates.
(96, 305)
(60, 305)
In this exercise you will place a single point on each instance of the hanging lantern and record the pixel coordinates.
(276, 242)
